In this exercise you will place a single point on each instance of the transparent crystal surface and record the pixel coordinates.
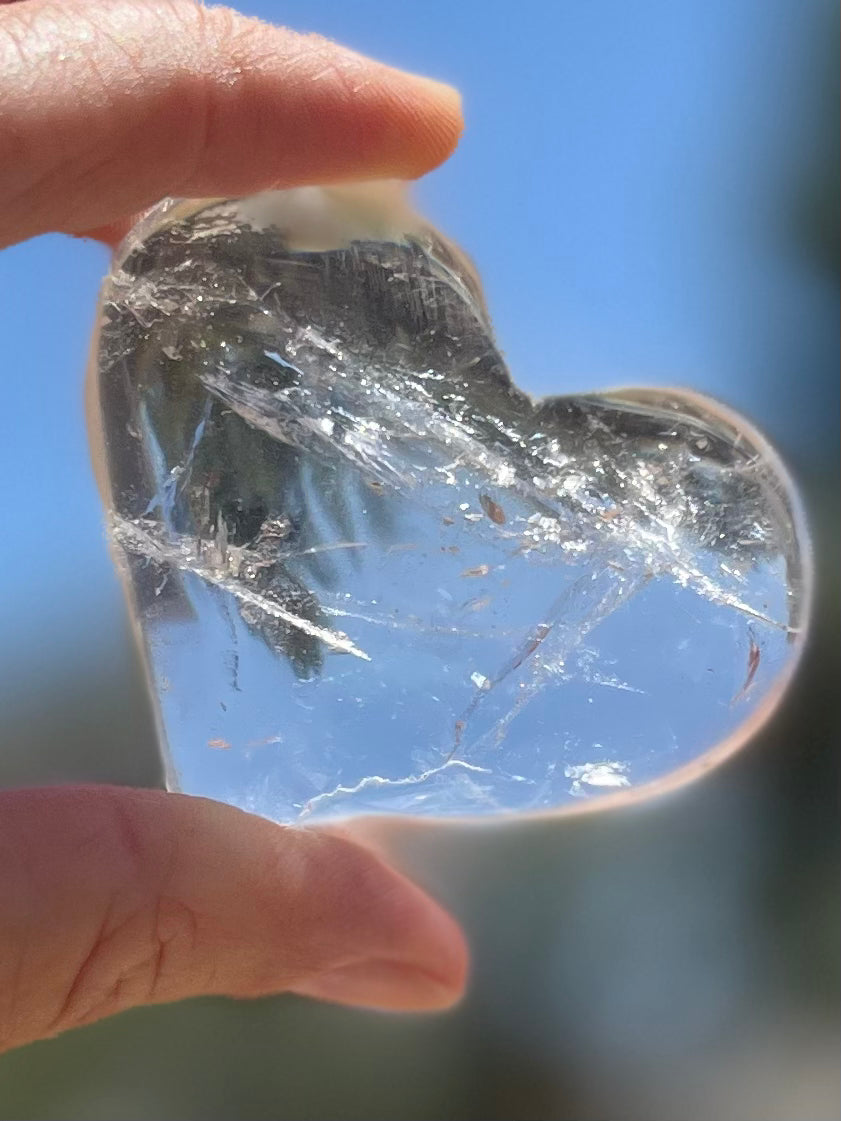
(370, 574)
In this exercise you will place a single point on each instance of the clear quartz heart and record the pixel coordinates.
(370, 574)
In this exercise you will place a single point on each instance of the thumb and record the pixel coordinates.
(113, 898)
(107, 107)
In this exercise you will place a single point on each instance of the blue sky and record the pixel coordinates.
(633, 184)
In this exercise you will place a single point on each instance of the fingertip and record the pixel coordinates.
(439, 960)
(383, 986)
(409, 955)
(442, 110)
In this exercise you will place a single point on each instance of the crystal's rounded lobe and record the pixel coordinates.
(372, 575)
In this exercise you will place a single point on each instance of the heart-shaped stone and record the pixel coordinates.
(373, 575)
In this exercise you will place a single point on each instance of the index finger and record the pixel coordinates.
(107, 107)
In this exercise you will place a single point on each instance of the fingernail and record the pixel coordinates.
(386, 985)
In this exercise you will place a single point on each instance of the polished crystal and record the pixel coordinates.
(371, 574)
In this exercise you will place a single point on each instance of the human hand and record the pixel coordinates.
(107, 106)
(111, 897)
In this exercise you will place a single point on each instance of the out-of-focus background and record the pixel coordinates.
(649, 191)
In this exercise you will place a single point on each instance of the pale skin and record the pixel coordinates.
(111, 897)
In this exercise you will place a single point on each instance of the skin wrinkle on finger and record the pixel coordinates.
(103, 110)
(107, 844)
(116, 952)
(82, 76)
(136, 897)
(128, 957)
(131, 962)
(248, 63)
(16, 952)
